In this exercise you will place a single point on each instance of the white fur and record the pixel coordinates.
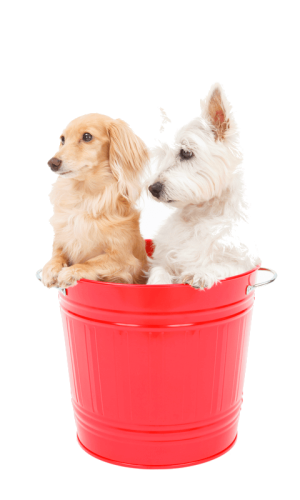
(198, 243)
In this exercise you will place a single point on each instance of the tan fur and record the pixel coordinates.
(96, 225)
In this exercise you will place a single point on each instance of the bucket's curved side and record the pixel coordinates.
(157, 397)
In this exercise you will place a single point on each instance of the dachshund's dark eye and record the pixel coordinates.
(62, 140)
(87, 137)
(185, 155)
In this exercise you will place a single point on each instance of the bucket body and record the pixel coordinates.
(157, 371)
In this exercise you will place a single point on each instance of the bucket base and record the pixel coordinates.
(171, 466)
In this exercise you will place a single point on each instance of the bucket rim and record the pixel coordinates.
(167, 286)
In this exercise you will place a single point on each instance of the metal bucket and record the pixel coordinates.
(157, 372)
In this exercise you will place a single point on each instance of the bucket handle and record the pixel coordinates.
(251, 287)
(38, 275)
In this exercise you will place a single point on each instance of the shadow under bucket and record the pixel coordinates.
(157, 372)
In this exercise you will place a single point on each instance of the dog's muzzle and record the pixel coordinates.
(156, 189)
(54, 164)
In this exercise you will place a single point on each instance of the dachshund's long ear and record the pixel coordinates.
(128, 158)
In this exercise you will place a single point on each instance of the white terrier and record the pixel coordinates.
(201, 177)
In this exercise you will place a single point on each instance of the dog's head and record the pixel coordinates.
(200, 164)
(96, 144)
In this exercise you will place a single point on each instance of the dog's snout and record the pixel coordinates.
(155, 189)
(54, 164)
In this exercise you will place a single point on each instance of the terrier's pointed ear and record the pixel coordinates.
(216, 110)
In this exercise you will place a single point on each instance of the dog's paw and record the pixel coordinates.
(159, 276)
(198, 282)
(50, 274)
(193, 282)
(67, 277)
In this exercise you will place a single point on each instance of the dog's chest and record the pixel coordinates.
(184, 244)
(77, 223)
(78, 233)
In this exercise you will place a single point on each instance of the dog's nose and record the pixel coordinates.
(54, 164)
(155, 189)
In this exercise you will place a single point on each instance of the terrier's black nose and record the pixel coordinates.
(54, 164)
(156, 189)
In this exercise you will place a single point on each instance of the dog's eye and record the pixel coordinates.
(87, 137)
(185, 155)
(62, 140)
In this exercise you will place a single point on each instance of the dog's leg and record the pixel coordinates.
(207, 276)
(111, 267)
(159, 276)
(53, 267)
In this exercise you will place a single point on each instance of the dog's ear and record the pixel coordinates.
(216, 110)
(128, 158)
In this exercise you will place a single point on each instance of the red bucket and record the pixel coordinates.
(157, 371)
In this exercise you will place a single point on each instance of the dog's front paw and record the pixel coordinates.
(50, 274)
(193, 282)
(159, 276)
(199, 282)
(67, 277)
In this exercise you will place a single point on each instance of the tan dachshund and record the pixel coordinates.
(99, 166)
